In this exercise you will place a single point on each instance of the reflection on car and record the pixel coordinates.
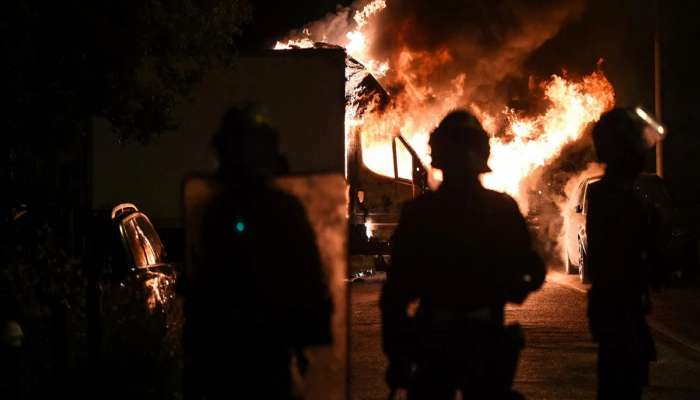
(575, 231)
(139, 238)
(140, 253)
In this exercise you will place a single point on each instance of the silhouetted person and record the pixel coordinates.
(462, 252)
(260, 295)
(623, 256)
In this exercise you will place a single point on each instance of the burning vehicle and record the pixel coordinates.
(375, 197)
(398, 88)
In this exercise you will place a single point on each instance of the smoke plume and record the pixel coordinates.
(488, 41)
(551, 195)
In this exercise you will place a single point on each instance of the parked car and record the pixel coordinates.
(575, 231)
(137, 255)
(134, 317)
(652, 191)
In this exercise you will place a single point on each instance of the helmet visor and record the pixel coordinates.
(653, 132)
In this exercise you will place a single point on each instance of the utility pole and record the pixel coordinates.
(657, 87)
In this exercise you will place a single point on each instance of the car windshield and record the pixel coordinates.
(142, 240)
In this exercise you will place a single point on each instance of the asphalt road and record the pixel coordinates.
(558, 361)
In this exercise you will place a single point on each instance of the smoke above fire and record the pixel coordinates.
(429, 59)
(485, 41)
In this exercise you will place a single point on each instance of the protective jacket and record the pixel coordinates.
(462, 253)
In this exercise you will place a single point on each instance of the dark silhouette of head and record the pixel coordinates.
(246, 144)
(619, 143)
(460, 146)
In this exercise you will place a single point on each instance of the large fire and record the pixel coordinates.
(520, 143)
(532, 141)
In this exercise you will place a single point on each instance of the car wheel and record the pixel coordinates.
(583, 273)
(569, 268)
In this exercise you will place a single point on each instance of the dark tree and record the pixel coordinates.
(64, 63)
(127, 61)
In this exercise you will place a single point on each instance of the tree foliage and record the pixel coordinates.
(129, 61)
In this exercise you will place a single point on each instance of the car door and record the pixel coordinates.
(576, 221)
(583, 236)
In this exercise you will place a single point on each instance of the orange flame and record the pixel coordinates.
(354, 40)
(522, 145)
(532, 142)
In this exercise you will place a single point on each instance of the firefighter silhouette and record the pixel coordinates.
(623, 259)
(461, 253)
(259, 296)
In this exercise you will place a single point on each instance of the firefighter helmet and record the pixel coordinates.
(246, 142)
(618, 137)
(458, 138)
